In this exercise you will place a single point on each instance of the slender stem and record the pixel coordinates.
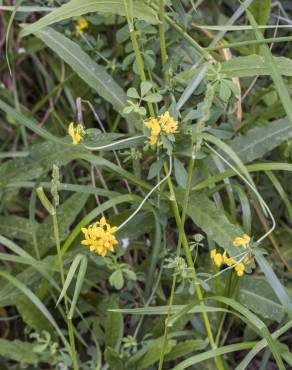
(180, 220)
(148, 195)
(185, 35)
(135, 44)
(69, 322)
(162, 42)
(162, 352)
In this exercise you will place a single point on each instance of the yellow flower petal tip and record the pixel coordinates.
(76, 132)
(99, 236)
(81, 25)
(165, 124)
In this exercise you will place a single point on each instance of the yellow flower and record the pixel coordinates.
(239, 268)
(81, 25)
(76, 133)
(238, 242)
(165, 123)
(99, 236)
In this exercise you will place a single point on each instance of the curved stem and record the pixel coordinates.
(113, 144)
(148, 195)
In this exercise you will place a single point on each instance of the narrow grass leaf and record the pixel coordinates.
(261, 345)
(87, 69)
(78, 286)
(258, 323)
(35, 300)
(213, 353)
(275, 283)
(77, 8)
(255, 65)
(284, 196)
(274, 69)
(70, 276)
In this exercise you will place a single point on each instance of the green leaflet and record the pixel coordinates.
(153, 353)
(260, 9)
(93, 74)
(31, 316)
(75, 8)
(15, 227)
(39, 161)
(18, 351)
(260, 140)
(255, 65)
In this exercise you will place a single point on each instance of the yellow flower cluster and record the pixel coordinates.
(81, 25)
(165, 123)
(99, 236)
(76, 133)
(222, 258)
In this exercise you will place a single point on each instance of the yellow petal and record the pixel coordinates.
(239, 267)
(113, 229)
(213, 253)
(240, 273)
(218, 259)
(237, 242)
(225, 258)
(86, 242)
(71, 129)
(102, 221)
(153, 140)
(246, 238)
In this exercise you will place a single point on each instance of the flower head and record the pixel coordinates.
(223, 259)
(241, 241)
(81, 25)
(76, 133)
(99, 236)
(165, 124)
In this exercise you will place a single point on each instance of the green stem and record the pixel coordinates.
(69, 322)
(162, 42)
(138, 56)
(162, 352)
(183, 240)
(185, 35)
